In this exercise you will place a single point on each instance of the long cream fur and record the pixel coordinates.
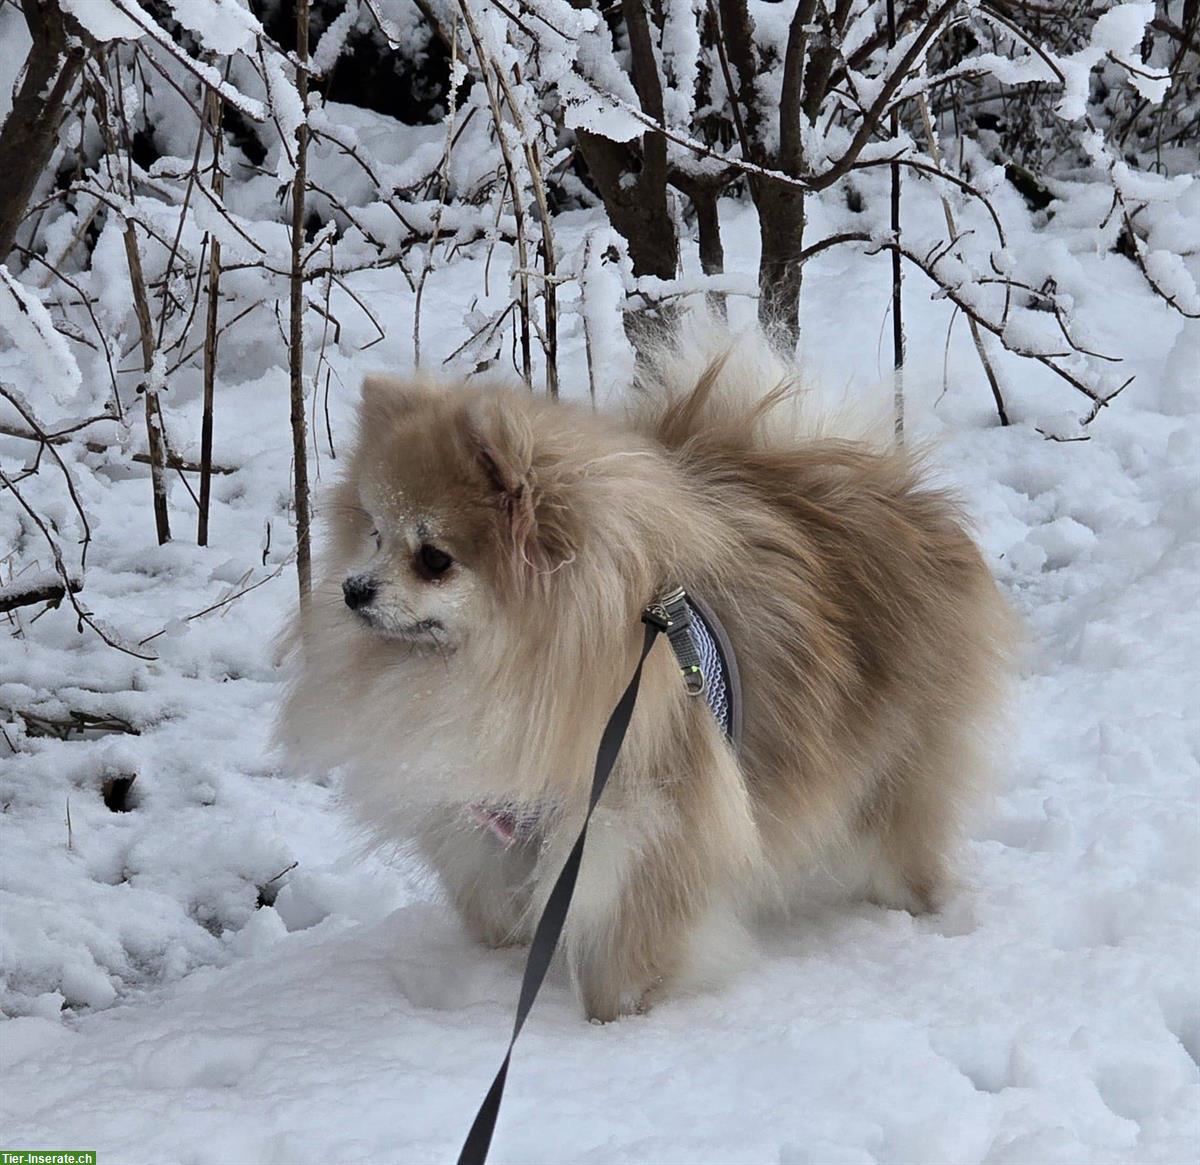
(871, 638)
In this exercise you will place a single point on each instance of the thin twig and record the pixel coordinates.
(63, 438)
(976, 335)
(212, 332)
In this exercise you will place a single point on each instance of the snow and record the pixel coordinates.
(288, 111)
(106, 20)
(1119, 30)
(585, 107)
(333, 39)
(1181, 375)
(1117, 33)
(30, 328)
(219, 974)
(681, 54)
(1171, 277)
(600, 295)
(223, 26)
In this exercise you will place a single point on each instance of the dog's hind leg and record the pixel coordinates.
(918, 825)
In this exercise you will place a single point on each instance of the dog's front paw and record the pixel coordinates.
(496, 936)
(609, 1010)
(605, 1006)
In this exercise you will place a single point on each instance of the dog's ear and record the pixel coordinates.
(502, 441)
(503, 445)
(388, 398)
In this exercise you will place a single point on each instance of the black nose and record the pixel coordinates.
(359, 590)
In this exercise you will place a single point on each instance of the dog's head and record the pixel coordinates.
(461, 504)
(489, 554)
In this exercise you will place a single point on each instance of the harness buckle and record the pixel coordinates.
(656, 615)
(670, 613)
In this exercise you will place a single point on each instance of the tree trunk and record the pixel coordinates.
(704, 197)
(296, 320)
(781, 230)
(155, 439)
(638, 211)
(897, 271)
(30, 132)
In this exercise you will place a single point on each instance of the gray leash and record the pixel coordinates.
(694, 633)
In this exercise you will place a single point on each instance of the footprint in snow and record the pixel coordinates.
(190, 1060)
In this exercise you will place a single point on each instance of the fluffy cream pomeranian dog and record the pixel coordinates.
(477, 616)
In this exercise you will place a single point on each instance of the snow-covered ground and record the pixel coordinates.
(180, 998)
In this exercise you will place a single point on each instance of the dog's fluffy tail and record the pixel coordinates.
(701, 375)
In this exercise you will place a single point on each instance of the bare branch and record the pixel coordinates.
(13, 596)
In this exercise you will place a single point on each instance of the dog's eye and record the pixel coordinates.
(378, 538)
(431, 562)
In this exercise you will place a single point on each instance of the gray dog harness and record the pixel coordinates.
(706, 658)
